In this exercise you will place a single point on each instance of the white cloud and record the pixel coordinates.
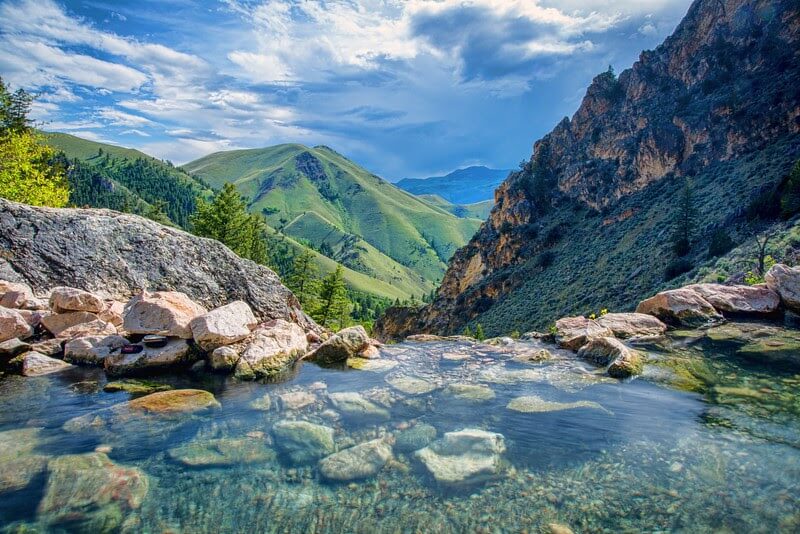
(121, 118)
(135, 132)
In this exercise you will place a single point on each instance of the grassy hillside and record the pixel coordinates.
(478, 210)
(319, 196)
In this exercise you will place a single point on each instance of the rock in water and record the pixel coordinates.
(223, 326)
(174, 355)
(785, 281)
(411, 385)
(174, 401)
(464, 458)
(573, 332)
(361, 461)
(271, 351)
(90, 493)
(36, 364)
(66, 299)
(534, 404)
(354, 405)
(163, 312)
(222, 452)
(303, 442)
(414, 438)
(625, 325)
(622, 360)
(345, 344)
(13, 325)
(470, 392)
(92, 349)
(19, 464)
(116, 255)
(681, 307)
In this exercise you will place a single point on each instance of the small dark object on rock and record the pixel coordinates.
(155, 341)
(131, 349)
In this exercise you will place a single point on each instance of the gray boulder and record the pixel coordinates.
(357, 462)
(303, 442)
(175, 354)
(347, 343)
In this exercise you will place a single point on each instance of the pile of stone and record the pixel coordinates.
(155, 332)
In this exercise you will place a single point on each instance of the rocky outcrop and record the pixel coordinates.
(271, 351)
(574, 332)
(680, 306)
(342, 345)
(115, 256)
(582, 224)
(785, 281)
(224, 326)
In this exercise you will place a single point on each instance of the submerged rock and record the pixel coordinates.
(19, 463)
(174, 401)
(535, 404)
(296, 400)
(411, 385)
(345, 344)
(163, 312)
(90, 493)
(680, 307)
(470, 392)
(357, 462)
(136, 387)
(574, 332)
(352, 404)
(175, 354)
(37, 364)
(272, 351)
(222, 452)
(13, 325)
(625, 325)
(414, 438)
(303, 442)
(463, 458)
(223, 326)
(375, 366)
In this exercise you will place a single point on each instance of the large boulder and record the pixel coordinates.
(65, 299)
(464, 458)
(785, 281)
(573, 332)
(90, 493)
(739, 299)
(14, 295)
(174, 401)
(116, 255)
(13, 325)
(175, 354)
(357, 462)
(223, 326)
(166, 313)
(622, 361)
(74, 324)
(92, 350)
(36, 364)
(272, 351)
(345, 344)
(680, 307)
(625, 325)
(303, 442)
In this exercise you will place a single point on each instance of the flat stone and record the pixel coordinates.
(625, 325)
(535, 404)
(574, 332)
(297, 400)
(223, 326)
(464, 458)
(357, 462)
(303, 442)
(163, 312)
(411, 385)
(739, 299)
(13, 325)
(66, 299)
(415, 438)
(353, 404)
(92, 350)
(36, 364)
(470, 392)
(174, 401)
(222, 452)
(680, 307)
(175, 354)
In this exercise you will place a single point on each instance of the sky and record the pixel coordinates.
(406, 88)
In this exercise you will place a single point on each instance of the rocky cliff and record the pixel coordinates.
(585, 223)
(116, 255)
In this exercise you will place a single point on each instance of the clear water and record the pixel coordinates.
(654, 459)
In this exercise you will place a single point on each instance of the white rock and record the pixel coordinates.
(36, 364)
(361, 461)
(465, 457)
(176, 353)
(66, 299)
(92, 349)
(13, 325)
(164, 312)
(272, 351)
(223, 326)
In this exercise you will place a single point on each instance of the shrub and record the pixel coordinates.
(545, 259)
(720, 243)
(676, 268)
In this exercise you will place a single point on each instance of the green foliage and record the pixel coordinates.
(720, 243)
(756, 276)
(26, 170)
(467, 332)
(790, 199)
(479, 334)
(334, 306)
(304, 280)
(684, 224)
(226, 220)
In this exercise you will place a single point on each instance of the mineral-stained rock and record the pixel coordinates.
(175, 354)
(739, 299)
(357, 462)
(414, 438)
(116, 255)
(66, 299)
(135, 387)
(573, 332)
(49, 347)
(163, 312)
(11, 348)
(629, 363)
(625, 325)
(19, 463)
(344, 344)
(57, 323)
(622, 360)
(785, 281)
(303, 442)
(353, 404)
(13, 325)
(92, 349)
(535, 404)
(272, 351)
(466, 457)
(222, 452)
(36, 364)
(680, 307)
(223, 359)
(223, 326)
(174, 401)
(90, 493)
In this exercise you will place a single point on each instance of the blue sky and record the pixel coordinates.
(407, 88)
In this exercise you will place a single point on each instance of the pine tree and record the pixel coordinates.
(790, 199)
(334, 304)
(467, 331)
(684, 225)
(304, 280)
(479, 335)
(157, 212)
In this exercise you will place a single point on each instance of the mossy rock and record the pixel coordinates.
(781, 349)
(727, 334)
(222, 452)
(686, 373)
(174, 401)
(136, 387)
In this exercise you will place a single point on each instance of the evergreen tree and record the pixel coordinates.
(157, 212)
(467, 331)
(684, 225)
(790, 199)
(304, 280)
(334, 304)
(479, 335)
(26, 170)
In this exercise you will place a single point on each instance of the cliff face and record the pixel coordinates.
(716, 96)
(116, 255)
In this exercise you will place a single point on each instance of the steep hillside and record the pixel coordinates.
(588, 222)
(109, 176)
(478, 210)
(317, 196)
(463, 186)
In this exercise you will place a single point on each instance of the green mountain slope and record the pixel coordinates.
(317, 195)
(478, 210)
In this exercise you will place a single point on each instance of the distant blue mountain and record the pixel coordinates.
(464, 186)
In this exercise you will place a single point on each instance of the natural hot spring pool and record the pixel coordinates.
(704, 442)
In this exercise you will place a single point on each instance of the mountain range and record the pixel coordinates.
(463, 186)
(699, 134)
